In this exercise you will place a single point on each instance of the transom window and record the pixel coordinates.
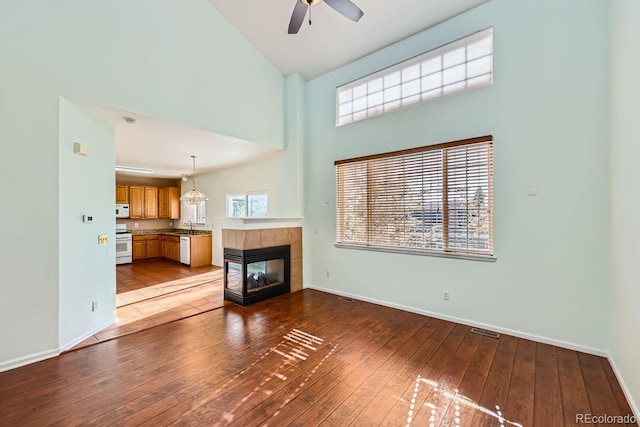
(429, 199)
(456, 67)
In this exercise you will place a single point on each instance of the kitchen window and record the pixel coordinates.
(459, 66)
(195, 213)
(434, 200)
(251, 205)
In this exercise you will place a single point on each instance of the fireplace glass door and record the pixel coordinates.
(234, 277)
(265, 274)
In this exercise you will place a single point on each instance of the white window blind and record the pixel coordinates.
(434, 198)
(456, 67)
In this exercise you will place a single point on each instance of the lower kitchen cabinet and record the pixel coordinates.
(145, 247)
(201, 250)
(170, 247)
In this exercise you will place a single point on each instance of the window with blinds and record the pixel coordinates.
(453, 68)
(435, 198)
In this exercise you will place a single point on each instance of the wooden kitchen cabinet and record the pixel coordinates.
(169, 202)
(170, 247)
(143, 202)
(136, 202)
(139, 249)
(201, 250)
(145, 246)
(122, 194)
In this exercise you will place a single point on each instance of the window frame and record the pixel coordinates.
(246, 198)
(380, 97)
(200, 213)
(447, 250)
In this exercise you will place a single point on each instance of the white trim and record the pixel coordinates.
(86, 335)
(416, 251)
(625, 389)
(519, 334)
(29, 359)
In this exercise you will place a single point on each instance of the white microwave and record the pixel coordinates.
(122, 211)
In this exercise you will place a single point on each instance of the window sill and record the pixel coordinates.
(423, 252)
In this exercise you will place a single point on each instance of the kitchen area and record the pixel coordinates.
(148, 219)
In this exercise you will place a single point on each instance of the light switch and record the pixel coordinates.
(532, 189)
(103, 239)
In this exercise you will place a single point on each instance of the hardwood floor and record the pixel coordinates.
(156, 292)
(138, 275)
(311, 358)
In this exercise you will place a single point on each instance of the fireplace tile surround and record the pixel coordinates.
(269, 237)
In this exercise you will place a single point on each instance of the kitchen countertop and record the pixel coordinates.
(171, 231)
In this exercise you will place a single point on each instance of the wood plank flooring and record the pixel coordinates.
(156, 292)
(130, 277)
(311, 358)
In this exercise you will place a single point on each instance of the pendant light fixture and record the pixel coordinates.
(193, 197)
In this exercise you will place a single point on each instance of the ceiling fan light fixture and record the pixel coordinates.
(345, 8)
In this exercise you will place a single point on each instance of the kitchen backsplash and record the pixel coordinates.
(148, 224)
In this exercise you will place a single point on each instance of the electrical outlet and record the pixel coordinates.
(103, 239)
(135, 225)
(94, 305)
(445, 295)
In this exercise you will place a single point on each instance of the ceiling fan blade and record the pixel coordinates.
(297, 17)
(346, 8)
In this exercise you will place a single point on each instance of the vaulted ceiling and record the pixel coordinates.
(332, 40)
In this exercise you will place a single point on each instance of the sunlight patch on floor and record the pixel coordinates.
(456, 399)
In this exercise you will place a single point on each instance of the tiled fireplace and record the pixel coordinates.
(261, 263)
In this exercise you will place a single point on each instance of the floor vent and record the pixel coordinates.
(347, 299)
(485, 332)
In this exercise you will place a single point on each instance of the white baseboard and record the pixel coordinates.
(519, 334)
(78, 340)
(625, 389)
(29, 359)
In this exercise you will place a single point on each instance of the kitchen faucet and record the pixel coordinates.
(190, 226)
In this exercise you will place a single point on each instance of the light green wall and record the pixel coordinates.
(548, 113)
(625, 203)
(177, 61)
(86, 269)
(279, 174)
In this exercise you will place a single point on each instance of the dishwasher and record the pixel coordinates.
(185, 250)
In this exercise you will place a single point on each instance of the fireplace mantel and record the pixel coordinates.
(259, 223)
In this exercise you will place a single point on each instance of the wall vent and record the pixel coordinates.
(485, 332)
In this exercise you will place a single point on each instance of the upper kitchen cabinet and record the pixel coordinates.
(143, 202)
(122, 194)
(169, 202)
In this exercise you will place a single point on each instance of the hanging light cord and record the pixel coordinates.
(194, 172)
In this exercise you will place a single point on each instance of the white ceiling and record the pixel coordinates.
(332, 40)
(166, 147)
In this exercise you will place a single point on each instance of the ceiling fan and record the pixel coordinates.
(344, 7)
